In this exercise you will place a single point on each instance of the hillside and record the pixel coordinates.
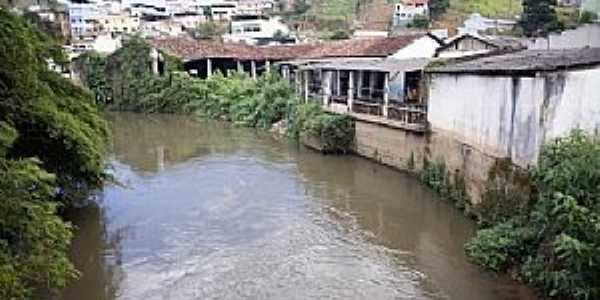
(459, 10)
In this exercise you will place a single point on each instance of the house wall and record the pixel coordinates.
(508, 117)
(422, 47)
(583, 36)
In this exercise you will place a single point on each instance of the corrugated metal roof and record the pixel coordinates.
(526, 61)
(384, 65)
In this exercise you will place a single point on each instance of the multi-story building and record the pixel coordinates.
(406, 11)
(83, 19)
(118, 23)
(256, 29)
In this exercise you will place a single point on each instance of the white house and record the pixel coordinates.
(407, 10)
(507, 106)
(82, 19)
(477, 23)
(255, 29)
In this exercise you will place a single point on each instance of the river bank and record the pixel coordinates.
(210, 210)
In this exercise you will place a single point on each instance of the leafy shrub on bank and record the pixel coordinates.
(236, 98)
(52, 142)
(335, 132)
(558, 238)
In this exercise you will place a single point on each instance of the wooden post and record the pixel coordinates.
(350, 90)
(267, 66)
(253, 69)
(208, 67)
(386, 100)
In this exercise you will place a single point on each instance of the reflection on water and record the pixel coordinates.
(210, 211)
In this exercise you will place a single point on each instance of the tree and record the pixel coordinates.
(207, 31)
(539, 18)
(587, 17)
(438, 7)
(52, 143)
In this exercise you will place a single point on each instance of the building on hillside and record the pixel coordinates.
(83, 19)
(477, 24)
(569, 3)
(121, 23)
(407, 10)
(57, 14)
(587, 35)
(257, 29)
(591, 5)
(164, 27)
(507, 106)
(189, 20)
(468, 45)
(221, 10)
(255, 7)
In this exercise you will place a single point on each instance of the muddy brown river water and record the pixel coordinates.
(205, 210)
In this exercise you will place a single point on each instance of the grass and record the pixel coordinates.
(508, 9)
(333, 9)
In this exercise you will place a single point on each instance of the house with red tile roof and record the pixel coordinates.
(207, 56)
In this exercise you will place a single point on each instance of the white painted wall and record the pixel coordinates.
(512, 118)
(423, 47)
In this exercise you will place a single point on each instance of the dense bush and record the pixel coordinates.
(236, 98)
(555, 244)
(52, 142)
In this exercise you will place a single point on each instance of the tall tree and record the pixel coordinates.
(539, 17)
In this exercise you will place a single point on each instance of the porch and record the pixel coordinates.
(384, 91)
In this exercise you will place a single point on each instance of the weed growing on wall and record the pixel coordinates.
(452, 186)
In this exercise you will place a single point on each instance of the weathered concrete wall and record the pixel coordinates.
(479, 120)
(511, 117)
(396, 147)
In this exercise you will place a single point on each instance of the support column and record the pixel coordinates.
(350, 90)
(208, 67)
(267, 66)
(154, 57)
(326, 86)
(240, 67)
(305, 75)
(338, 87)
(253, 69)
(386, 100)
(359, 84)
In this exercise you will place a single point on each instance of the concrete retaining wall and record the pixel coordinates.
(397, 147)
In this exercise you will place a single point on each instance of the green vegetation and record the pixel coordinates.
(539, 18)
(127, 84)
(208, 31)
(587, 17)
(553, 240)
(52, 141)
(450, 186)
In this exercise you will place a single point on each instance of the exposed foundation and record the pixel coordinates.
(406, 150)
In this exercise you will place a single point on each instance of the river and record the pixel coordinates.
(205, 210)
